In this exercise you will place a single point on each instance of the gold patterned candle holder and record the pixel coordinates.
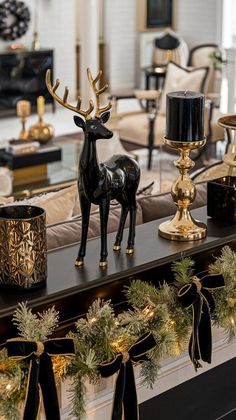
(183, 227)
(23, 257)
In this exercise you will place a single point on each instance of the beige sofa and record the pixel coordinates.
(64, 218)
(150, 207)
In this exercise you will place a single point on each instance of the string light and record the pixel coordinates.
(92, 320)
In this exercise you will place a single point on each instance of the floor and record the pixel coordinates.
(163, 171)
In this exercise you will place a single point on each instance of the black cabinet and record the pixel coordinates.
(22, 76)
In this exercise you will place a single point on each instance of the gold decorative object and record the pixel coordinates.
(183, 227)
(23, 109)
(41, 131)
(229, 122)
(23, 258)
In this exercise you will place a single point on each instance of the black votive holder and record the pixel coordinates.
(221, 199)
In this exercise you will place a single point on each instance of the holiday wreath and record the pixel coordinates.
(161, 322)
(14, 19)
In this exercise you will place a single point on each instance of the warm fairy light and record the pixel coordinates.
(92, 320)
(172, 323)
(8, 387)
(232, 321)
(149, 313)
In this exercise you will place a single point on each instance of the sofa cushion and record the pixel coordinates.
(162, 205)
(58, 205)
(69, 232)
(179, 78)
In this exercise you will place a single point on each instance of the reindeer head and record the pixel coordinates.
(93, 127)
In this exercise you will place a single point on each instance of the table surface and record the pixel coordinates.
(74, 289)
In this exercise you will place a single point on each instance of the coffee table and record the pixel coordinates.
(53, 166)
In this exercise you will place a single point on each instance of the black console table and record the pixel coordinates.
(208, 396)
(72, 290)
(22, 76)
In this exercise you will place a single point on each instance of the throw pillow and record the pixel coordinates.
(58, 205)
(180, 78)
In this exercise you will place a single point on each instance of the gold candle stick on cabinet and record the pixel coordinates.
(23, 109)
(41, 131)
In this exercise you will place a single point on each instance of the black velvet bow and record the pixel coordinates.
(197, 294)
(40, 372)
(125, 396)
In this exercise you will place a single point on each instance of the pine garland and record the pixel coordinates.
(102, 335)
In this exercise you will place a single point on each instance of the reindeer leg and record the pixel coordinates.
(85, 205)
(104, 211)
(133, 211)
(124, 211)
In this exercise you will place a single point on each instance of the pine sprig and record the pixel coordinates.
(35, 326)
(225, 312)
(183, 271)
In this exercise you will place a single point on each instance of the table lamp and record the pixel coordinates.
(168, 43)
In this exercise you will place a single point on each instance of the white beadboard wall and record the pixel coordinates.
(57, 30)
(196, 21)
(120, 39)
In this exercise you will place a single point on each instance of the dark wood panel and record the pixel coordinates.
(209, 396)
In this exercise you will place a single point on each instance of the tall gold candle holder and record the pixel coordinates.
(229, 122)
(23, 109)
(183, 227)
(41, 131)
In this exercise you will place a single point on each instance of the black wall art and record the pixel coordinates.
(159, 13)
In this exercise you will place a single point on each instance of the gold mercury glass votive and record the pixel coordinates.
(23, 257)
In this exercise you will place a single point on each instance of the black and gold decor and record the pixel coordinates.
(184, 132)
(23, 259)
(100, 182)
(159, 322)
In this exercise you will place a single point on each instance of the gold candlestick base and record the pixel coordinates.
(183, 227)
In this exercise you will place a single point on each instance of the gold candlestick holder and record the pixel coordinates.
(41, 131)
(23, 109)
(229, 122)
(183, 227)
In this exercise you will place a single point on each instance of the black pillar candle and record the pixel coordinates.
(185, 116)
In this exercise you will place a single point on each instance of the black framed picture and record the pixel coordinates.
(159, 13)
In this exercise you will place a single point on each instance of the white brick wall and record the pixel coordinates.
(120, 40)
(196, 21)
(57, 30)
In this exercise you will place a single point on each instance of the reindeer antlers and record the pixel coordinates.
(98, 92)
(63, 101)
(77, 109)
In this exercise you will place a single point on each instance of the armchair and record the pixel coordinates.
(146, 129)
(209, 55)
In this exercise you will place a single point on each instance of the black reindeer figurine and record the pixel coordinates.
(99, 183)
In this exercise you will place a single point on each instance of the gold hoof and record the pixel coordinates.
(129, 251)
(79, 263)
(116, 248)
(103, 264)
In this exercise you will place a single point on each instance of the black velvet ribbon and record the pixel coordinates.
(197, 294)
(125, 397)
(40, 372)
